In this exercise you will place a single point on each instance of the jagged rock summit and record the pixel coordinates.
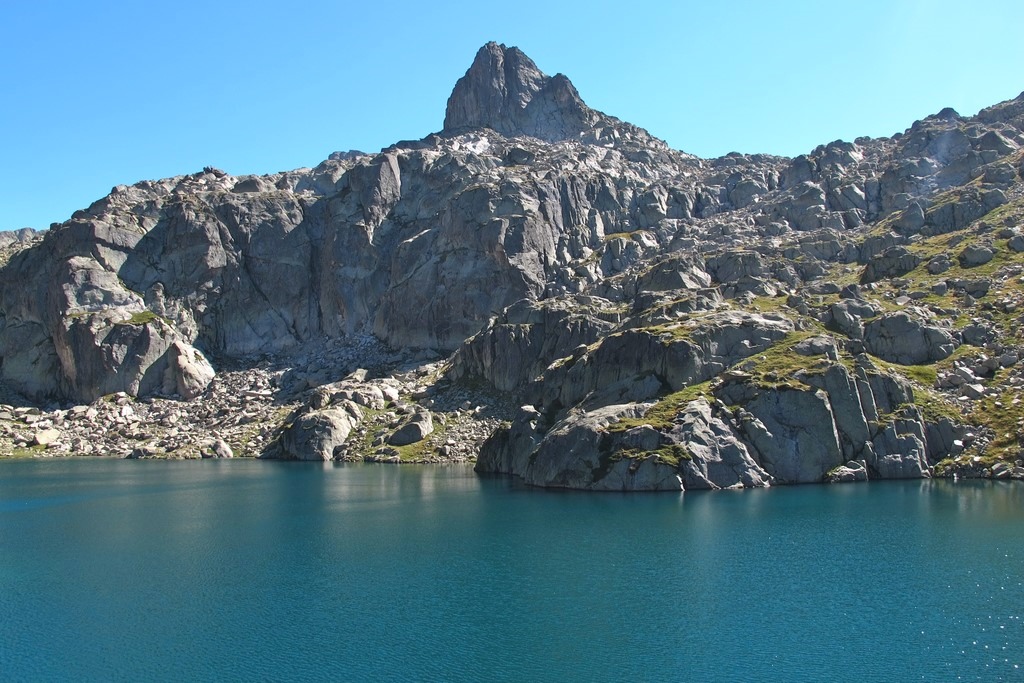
(608, 313)
(505, 91)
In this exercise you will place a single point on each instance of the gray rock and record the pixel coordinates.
(679, 357)
(899, 451)
(855, 470)
(977, 288)
(975, 255)
(520, 344)
(718, 457)
(46, 437)
(977, 334)
(846, 316)
(315, 435)
(188, 371)
(893, 262)
(939, 264)
(972, 391)
(413, 429)
(794, 432)
(900, 338)
(821, 345)
(218, 448)
(731, 266)
(505, 91)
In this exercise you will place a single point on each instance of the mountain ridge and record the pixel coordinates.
(537, 252)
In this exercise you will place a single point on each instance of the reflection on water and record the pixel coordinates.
(270, 570)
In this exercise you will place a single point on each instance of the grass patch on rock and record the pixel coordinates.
(663, 413)
(1006, 421)
(141, 318)
(672, 455)
(778, 365)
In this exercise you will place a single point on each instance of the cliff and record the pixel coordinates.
(665, 321)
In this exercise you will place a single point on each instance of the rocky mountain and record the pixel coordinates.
(551, 291)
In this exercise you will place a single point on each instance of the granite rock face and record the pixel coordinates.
(741, 434)
(661, 321)
(506, 92)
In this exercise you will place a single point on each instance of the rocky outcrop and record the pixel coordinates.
(419, 245)
(665, 321)
(714, 453)
(577, 453)
(900, 338)
(891, 263)
(665, 358)
(188, 372)
(413, 429)
(746, 435)
(528, 336)
(506, 92)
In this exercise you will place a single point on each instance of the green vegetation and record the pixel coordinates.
(376, 424)
(626, 235)
(662, 414)
(778, 365)
(768, 304)
(925, 375)
(141, 318)
(672, 455)
(934, 407)
(245, 446)
(1006, 420)
(22, 452)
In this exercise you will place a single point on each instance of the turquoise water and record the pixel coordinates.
(241, 570)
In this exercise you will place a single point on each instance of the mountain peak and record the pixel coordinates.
(505, 91)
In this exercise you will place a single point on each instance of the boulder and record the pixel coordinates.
(218, 448)
(975, 255)
(820, 345)
(188, 372)
(892, 262)
(900, 338)
(976, 287)
(846, 316)
(939, 264)
(315, 435)
(855, 470)
(46, 437)
(413, 429)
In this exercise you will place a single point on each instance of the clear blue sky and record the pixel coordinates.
(100, 93)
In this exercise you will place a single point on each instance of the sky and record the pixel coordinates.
(103, 93)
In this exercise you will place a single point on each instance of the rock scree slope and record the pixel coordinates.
(551, 292)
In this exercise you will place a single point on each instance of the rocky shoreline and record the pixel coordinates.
(248, 406)
(407, 409)
(551, 293)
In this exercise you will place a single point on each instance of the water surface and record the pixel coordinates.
(242, 570)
